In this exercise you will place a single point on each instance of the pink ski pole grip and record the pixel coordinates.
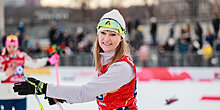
(54, 59)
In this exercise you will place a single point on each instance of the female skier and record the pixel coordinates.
(12, 66)
(114, 88)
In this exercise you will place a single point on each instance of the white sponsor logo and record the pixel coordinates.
(16, 79)
(102, 103)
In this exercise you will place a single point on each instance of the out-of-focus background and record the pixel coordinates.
(175, 45)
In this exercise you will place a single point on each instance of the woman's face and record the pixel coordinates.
(109, 40)
(11, 48)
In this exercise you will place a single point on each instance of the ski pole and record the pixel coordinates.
(60, 106)
(35, 95)
(54, 59)
(58, 82)
(57, 72)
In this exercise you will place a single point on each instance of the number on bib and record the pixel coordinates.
(100, 97)
(20, 70)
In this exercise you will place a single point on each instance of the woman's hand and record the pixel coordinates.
(31, 86)
(53, 101)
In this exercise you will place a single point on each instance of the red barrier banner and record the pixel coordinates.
(177, 73)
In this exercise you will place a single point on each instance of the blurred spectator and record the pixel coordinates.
(183, 49)
(3, 40)
(133, 39)
(196, 57)
(60, 34)
(172, 24)
(144, 52)
(27, 44)
(90, 38)
(207, 52)
(169, 49)
(218, 50)
(183, 45)
(153, 30)
(188, 26)
(218, 46)
(184, 34)
(66, 38)
(21, 28)
(136, 23)
(67, 51)
(195, 46)
(20, 39)
(170, 45)
(210, 38)
(80, 35)
(137, 37)
(161, 56)
(52, 36)
(129, 25)
(86, 43)
(20, 34)
(199, 31)
(37, 48)
(187, 37)
(72, 46)
(215, 24)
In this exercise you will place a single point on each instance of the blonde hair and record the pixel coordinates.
(122, 50)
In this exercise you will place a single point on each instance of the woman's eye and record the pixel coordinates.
(113, 34)
(102, 32)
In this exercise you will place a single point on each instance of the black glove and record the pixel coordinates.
(32, 86)
(52, 102)
(48, 63)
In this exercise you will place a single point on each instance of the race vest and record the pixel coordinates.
(123, 98)
(19, 60)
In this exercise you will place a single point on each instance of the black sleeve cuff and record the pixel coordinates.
(44, 89)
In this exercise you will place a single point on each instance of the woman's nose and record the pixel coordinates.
(107, 37)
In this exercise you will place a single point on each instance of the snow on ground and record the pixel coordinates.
(151, 95)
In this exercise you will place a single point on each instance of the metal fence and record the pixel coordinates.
(180, 60)
(80, 59)
(154, 60)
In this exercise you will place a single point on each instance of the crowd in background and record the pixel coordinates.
(204, 46)
(71, 43)
(79, 42)
(192, 48)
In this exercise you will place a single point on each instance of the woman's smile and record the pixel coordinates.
(109, 40)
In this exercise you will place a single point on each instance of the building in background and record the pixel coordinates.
(21, 3)
(184, 8)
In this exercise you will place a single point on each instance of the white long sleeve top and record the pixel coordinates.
(117, 75)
